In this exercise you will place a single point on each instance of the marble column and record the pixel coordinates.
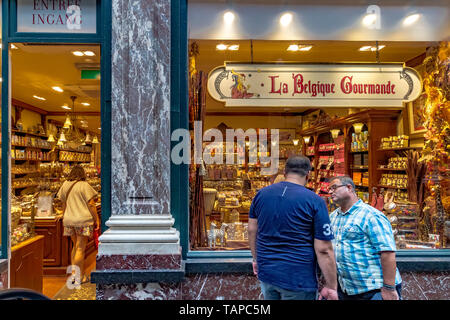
(140, 235)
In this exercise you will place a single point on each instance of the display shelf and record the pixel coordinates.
(23, 187)
(22, 173)
(391, 187)
(30, 147)
(71, 150)
(360, 167)
(360, 185)
(360, 151)
(390, 169)
(29, 133)
(399, 149)
(14, 159)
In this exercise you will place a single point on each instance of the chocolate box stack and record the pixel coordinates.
(339, 165)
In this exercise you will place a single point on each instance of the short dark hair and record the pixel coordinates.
(77, 174)
(345, 180)
(297, 164)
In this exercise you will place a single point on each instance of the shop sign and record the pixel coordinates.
(305, 85)
(59, 16)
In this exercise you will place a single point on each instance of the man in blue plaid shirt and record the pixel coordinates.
(364, 247)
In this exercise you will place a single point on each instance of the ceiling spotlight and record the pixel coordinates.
(56, 88)
(39, 98)
(379, 48)
(228, 17)
(411, 19)
(372, 48)
(365, 48)
(78, 53)
(221, 46)
(233, 47)
(85, 104)
(305, 48)
(286, 19)
(66, 107)
(369, 19)
(89, 53)
(13, 46)
(296, 47)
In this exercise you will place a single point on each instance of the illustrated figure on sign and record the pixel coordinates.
(238, 89)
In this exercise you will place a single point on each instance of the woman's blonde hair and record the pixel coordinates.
(77, 174)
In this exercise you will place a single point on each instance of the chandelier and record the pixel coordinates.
(70, 134)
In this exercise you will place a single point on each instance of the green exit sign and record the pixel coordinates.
(90, 74)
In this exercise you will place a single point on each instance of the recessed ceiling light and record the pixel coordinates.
(228, 17)
(99, 128)
(371, 48)
(39, 98)
(365, 48)
(13, 46)
(221, 46)
(296, 47)
(56, 88)
(233, 47)
(66, 107)
(85, 104)
(305, 48)
(78, 53)
(286, 19)
(369, 19)
(89, 53)
(379, 48)
(411, 19)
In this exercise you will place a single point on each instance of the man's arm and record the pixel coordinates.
(252, 230)
(389, 267)
(327, 263)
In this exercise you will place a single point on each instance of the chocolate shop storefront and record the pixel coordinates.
(362, 90)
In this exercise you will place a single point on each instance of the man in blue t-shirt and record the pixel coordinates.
(289, 234)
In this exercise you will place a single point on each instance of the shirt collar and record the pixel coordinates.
(352, 209)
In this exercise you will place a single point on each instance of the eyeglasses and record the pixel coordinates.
(333, 188)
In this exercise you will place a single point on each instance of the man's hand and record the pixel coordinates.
(328, 294)
(255, 268)
(389, 294)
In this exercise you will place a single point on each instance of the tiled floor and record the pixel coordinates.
(55, 286)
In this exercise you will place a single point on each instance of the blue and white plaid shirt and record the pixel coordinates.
(360, 234)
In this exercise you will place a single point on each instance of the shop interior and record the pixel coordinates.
(378, 147)
(55, 122)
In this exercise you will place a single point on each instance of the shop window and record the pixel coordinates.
(389, 157)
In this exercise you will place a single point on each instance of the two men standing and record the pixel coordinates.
(290, 232)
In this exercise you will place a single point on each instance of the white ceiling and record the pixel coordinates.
(35, 69)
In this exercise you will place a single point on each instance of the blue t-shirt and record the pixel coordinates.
(289, 218)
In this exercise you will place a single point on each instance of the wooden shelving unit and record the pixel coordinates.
(379, 124)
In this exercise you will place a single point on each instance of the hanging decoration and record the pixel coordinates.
(435, 153)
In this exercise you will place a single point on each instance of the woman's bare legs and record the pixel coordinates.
(78, 252)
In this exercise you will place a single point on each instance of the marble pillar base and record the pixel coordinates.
(139, 262)
(220, 286)
(143, 235)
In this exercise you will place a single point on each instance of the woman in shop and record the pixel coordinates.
(80, 217)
